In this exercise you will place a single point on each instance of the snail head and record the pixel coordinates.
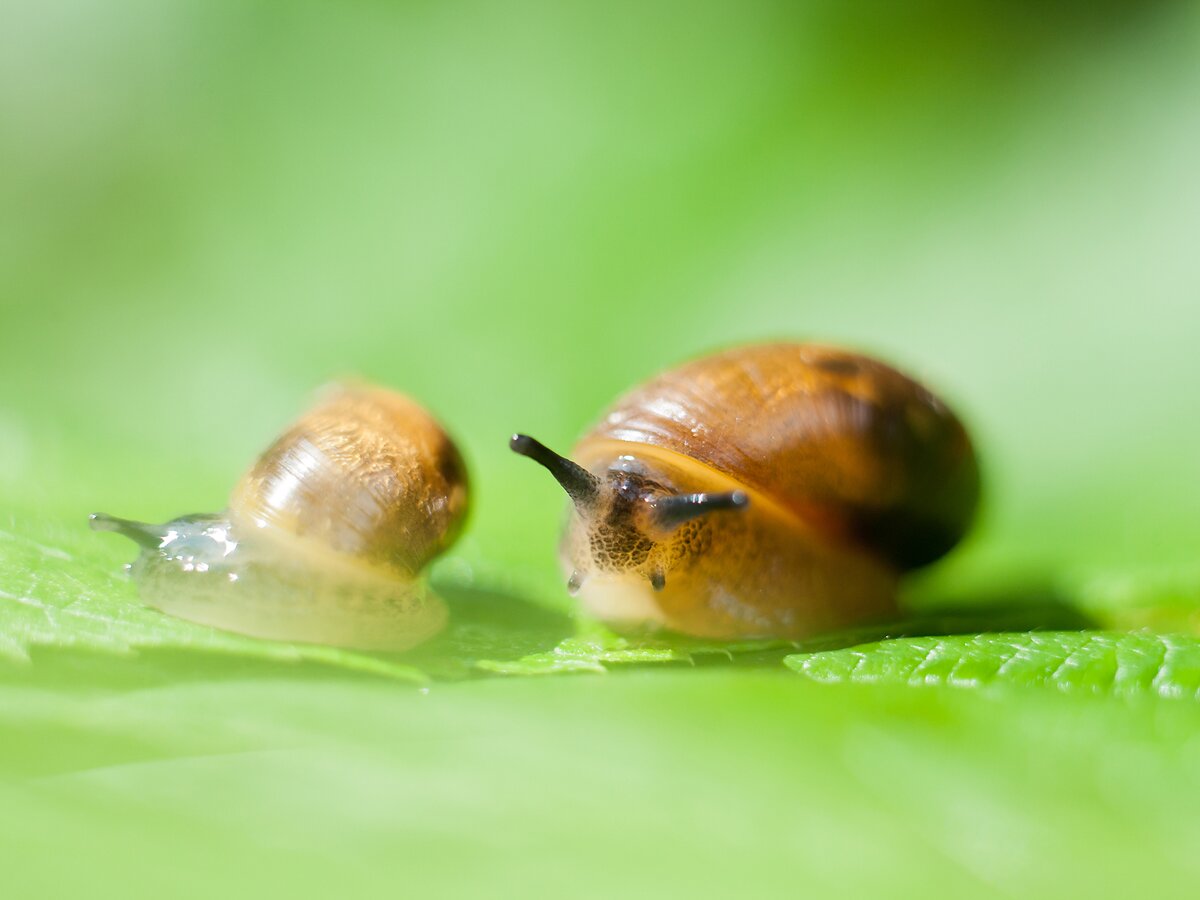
(629, 516)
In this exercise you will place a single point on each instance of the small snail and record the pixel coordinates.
(326, 535)
(771, 490)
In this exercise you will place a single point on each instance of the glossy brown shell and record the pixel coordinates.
(847, 443)
(366, 473)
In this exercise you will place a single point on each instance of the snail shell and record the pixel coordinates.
(770, 490)
(324, 537)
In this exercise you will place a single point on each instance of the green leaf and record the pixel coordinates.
(1089, 661)
(700, 783)
(514, 212)
(595, 648)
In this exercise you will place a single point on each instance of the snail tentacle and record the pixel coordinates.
(581, 485)
(144, 534)
(671, 512)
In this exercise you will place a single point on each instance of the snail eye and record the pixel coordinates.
(631, 488)
(628, 489)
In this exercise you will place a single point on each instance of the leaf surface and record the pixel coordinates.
(1091, 661)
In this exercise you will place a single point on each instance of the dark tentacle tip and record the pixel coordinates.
(522, 444)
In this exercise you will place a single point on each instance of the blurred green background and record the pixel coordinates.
(513, 212)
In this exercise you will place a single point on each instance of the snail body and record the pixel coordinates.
(769, 490)
(325, 537)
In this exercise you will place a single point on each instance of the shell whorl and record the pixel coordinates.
(847, 443)
(366, 473)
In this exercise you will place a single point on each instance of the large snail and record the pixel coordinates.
(325, 537)
(771, 490)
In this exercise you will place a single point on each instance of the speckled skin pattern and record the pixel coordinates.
(855, 473)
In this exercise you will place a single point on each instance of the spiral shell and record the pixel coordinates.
(366, 473)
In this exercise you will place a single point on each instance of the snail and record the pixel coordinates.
(773, 490)
(325, 537)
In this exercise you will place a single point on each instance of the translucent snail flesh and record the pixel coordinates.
(770, 490)
(325, 537)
